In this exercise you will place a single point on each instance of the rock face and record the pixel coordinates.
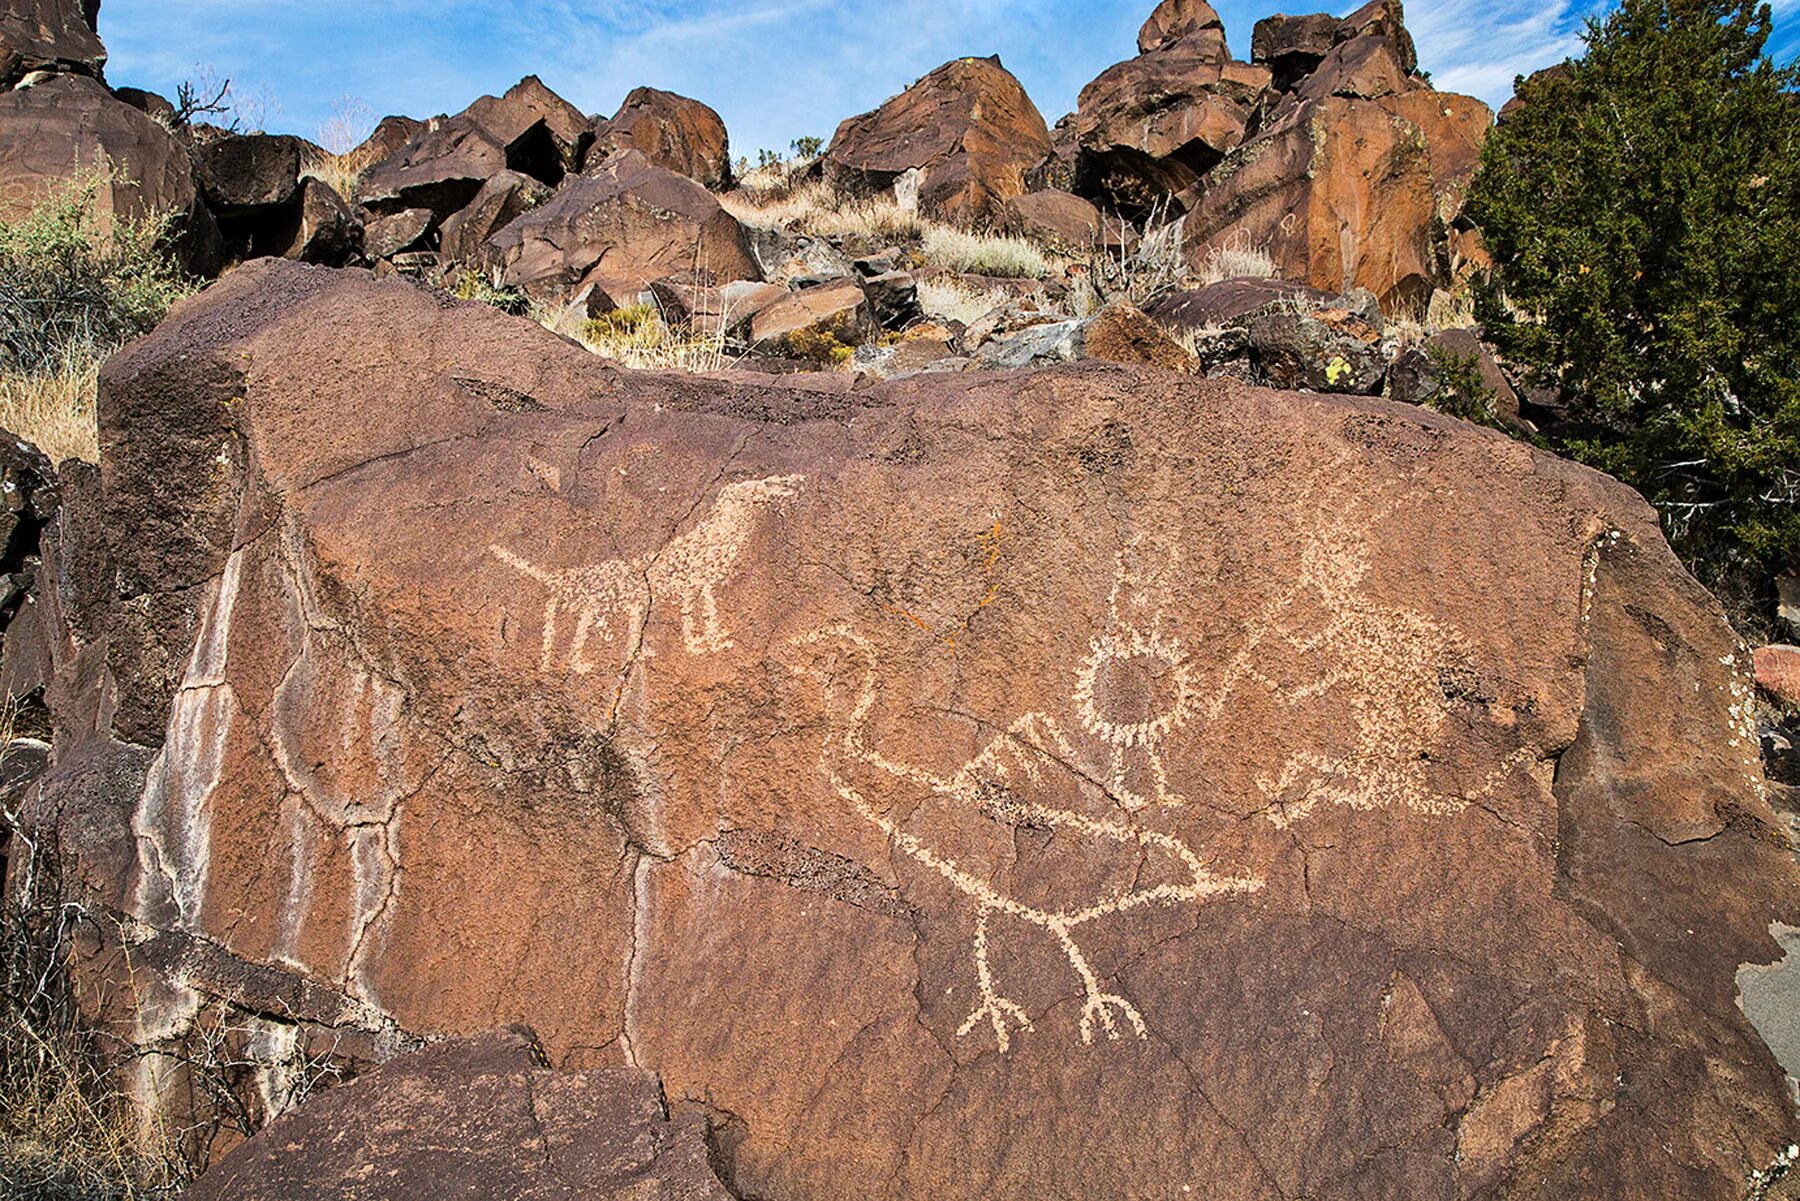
(674, 132)
(54, 131)
(477, 1117)
(1156, 124)
(911, 776)
(968, 129)
(629, 223)
(56, 36)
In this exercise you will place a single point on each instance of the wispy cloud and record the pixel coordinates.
(775, 69)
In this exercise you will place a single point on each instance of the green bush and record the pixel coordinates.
(67, 291)
(1461, 392)
(1643, 210)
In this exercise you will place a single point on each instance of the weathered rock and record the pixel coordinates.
(149, 103)
(477, 1117)
(825, 321)
(441, 169)
(694, 301)
(1340, 194)
(799, 260)
(762, 734)
(1787, 607)
(629, 223)
(390, 136)
(1174, 20)
(70, 127)
(324, 230)
(57, 36)
(1156, 124)
(1007, 319)
(1044, 344)
(248, 175)
(1121, 333)
(1057, 217)
(502, 199)
(968, 129)
(674, 132)
(922, 349)
(894, 298)
(544, 135)
(1293, 47)
(1454, 128)
(1416, 375)
(1228, 302)
(385, 237)
(1321, 350)
(1778, 674)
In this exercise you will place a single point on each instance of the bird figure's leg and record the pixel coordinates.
(1097, 1004)
(994, 1007)
(549, 656)
(577, 649)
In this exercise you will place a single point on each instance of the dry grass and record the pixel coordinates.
(948, 300)
(343, 172)
(817, 209)
(1236, 258)
(54, 407)
(984, 254)
(636, 337)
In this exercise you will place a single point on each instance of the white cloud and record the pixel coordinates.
(1478, 48)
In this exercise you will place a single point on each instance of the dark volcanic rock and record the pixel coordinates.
(324, 229)
(968, 130)
(629, 223)
(502, 199)
(1228, 302)
(249, 175)
(674, 132)
(1087, 781)
(479, 1117)
(55, 36)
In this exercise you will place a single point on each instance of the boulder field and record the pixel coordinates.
(1095, 781)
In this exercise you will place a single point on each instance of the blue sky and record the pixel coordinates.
(775, 69)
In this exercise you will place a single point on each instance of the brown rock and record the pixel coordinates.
(385, 237)
(823, 321)
(674, 132)
(502, 199)
(324, 229)
(1121, 333)
(893, 297)
(1228, 302)
(630, 223)
(1293, 47)
(389, 137)
(761, 734)
(1369, 66)
(968, 129)
(544, 135)
(477, 1117)
(248, 175)
(1417, 374)
(693, 301)
(1778, 674)
(53, 132)
(49, 35)
(1340, 194)
(1332, 349)
(1174, 20)
(1156, 124)
(1454, 128)
(1059, 218)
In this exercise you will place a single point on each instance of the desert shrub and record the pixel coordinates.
(815, 208)
(1235, 258)
(1461, 392)
(70, 294)
(1643, 211)
(637, 337)
(473, 285)
(949, 300)
(983, 254)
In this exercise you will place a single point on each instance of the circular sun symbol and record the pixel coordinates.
(1134, 687)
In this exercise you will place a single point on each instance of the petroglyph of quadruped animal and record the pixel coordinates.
(1385, 665)
(1034, 744)
(616, 594)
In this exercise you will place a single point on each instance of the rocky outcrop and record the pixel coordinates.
(502, 200)
(674, 132)
(476, 1117)
(71, 127)
(625, 225)
(49, 37)
(914, 775)
(964, 137)
(1154, 125)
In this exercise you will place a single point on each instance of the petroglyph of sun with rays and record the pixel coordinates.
(989, 785)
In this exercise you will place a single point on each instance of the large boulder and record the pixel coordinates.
(70, 127)
(627, 224)
(967, 132)
(475, 1117)
(502, 200)
(1156, 124)
(53, 36)
(1089, 781)
(682, 135)
(530, 130)
(323, 229)
(1339, 192)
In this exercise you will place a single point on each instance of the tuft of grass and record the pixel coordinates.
(54, 406)
(817, 209)
(636, 337)
(984, 254)
(1236, 258)
(71, 293)
(948, 300)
